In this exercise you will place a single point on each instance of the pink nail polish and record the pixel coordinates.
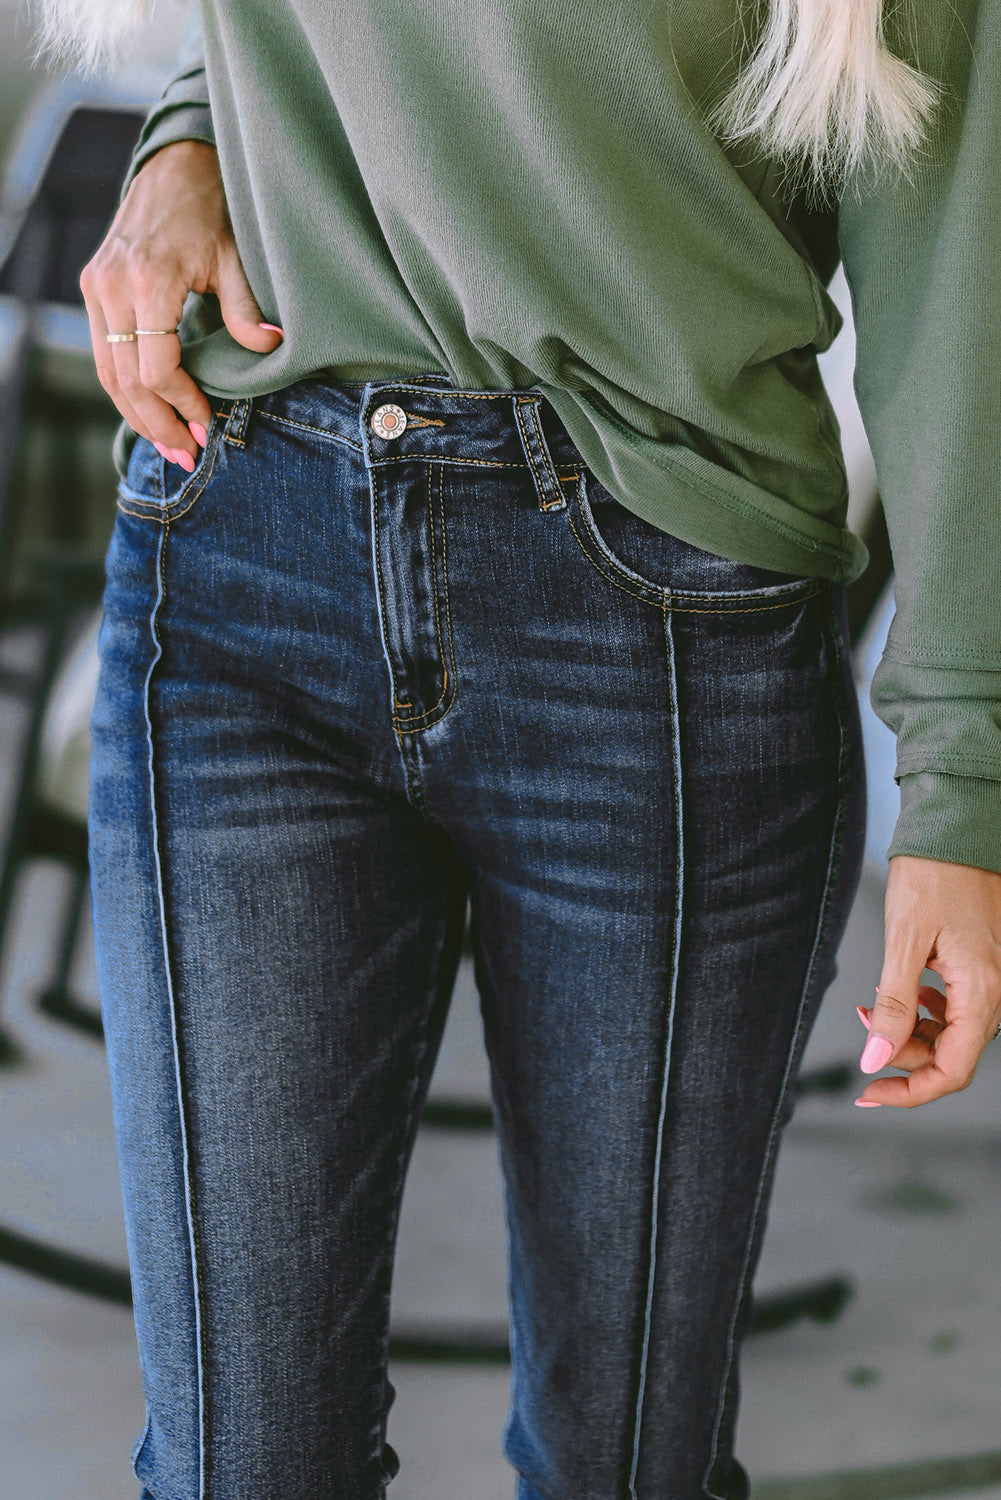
(199, 433)
(163, 452)
(868, 1104)
(179, 456)
(272, 328)
(863, 1016)
(876, 1055)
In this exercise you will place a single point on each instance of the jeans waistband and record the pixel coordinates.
(426, 418)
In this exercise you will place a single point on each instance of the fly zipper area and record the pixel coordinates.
(411, 567)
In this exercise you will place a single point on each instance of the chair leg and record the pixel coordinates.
(25, 777)
(56, 999)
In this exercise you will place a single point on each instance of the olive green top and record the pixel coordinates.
(526, 194)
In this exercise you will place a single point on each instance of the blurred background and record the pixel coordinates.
(873, 1369)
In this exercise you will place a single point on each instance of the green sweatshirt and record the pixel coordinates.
(524, 193)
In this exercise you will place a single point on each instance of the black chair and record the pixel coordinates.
(60, 193)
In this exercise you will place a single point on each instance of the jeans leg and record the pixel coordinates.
(658, 798)
(646, 758)
(278, 930)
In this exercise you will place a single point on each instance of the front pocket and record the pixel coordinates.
(655, 565)
(155, 489)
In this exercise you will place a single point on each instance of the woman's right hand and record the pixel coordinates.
(171, 236)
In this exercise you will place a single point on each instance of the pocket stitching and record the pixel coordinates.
(651, 593)
(659, 599)
(145, 509)
(264, 415)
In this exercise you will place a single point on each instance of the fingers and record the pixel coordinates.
(935, 916)
(940, 1055)
(931, 1052)
(894, 1015)
(946, 917)
(159, 391)
(170, 236)
(144, 377)
(107, 370)
(919, 1049)
(947, 1068)
(238, 306)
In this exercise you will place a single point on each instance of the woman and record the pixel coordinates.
(484, 539)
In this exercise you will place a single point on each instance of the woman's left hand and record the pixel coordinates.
(947, 918)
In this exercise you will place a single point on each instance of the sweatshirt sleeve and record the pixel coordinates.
(923, 262)
(182, 111)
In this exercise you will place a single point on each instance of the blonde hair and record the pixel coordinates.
(89, 35)
(820, 91)
(823, 93)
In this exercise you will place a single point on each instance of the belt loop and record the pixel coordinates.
(238, 420)
(533, 441)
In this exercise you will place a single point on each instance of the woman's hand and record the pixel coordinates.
(944, 917)
(171, 236)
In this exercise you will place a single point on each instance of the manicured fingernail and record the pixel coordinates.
(272, 328)
(868, 1104)
(163, 452)
(877, 1054)
(199, 433)
(179, 456)
(863, 1016)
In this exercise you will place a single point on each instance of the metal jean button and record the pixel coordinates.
(389, 421)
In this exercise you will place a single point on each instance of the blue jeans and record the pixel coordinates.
(350, 681)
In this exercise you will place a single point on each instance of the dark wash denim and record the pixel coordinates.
(347, 683)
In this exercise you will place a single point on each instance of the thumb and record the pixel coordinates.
(239, 308)
(894, 1016)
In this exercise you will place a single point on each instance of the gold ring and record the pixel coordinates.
(121, 338)
(154, 332)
